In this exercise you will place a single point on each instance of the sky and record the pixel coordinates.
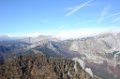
(58, 17)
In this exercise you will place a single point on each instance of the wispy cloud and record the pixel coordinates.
(78, 8)
(116, 20)
(114, 14)
(73, 7)
(103, 13)
(44, 21)
(85, 23)
(115, 17)
(63, 26)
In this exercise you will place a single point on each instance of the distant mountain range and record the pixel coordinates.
(100, 53)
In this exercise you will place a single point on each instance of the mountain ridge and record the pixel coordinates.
(99, 50)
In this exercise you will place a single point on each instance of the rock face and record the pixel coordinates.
(37, 66)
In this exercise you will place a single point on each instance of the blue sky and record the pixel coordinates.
(53, 16)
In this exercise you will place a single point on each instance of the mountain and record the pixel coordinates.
(100, 51)
(100, 54)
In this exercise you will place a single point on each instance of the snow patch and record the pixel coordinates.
(88, 70)
(81, 62)
(75, 67)
(69, 74)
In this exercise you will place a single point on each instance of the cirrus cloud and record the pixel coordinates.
(78, 8)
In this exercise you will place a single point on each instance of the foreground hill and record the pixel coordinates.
(38, 66)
